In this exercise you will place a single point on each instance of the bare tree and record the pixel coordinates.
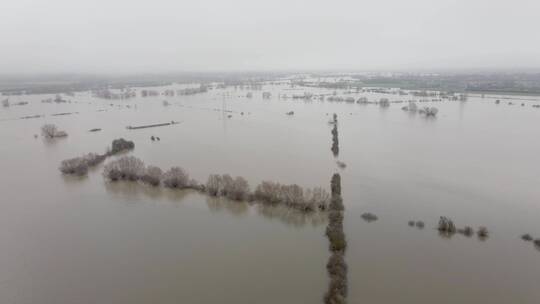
(239, 190)
(175, 177)
(124, 168)
(152, 175)
(317, 197)
(76, 166)
(227, 184)
(214, 184)
(49, 130)
(446, 225)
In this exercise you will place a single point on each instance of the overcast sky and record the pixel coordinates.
(109, 36)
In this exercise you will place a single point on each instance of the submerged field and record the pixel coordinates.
(72, 239)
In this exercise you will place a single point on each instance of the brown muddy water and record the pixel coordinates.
(85, 240)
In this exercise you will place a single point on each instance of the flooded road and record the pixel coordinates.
(85, 240)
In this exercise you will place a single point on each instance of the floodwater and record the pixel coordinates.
(84, 240)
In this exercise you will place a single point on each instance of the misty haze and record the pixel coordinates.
(269, 151)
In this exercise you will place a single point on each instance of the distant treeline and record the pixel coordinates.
(524, 83)
(62, 83)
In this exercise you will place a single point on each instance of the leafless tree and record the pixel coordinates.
(76, 166)
(152, 175)
(317, 197)
(446, 225)
(124, 168)
(175, 177)
(482, 232)
(213, 185)
(227, 184)
(267, 192)
(50, 131)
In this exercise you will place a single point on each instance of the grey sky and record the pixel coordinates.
(166, 35)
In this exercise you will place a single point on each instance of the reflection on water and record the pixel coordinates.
(292, 217)
(84, 238)
(288, 216)
(137, 190)
(221, 204)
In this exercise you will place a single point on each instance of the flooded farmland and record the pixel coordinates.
(69, 239)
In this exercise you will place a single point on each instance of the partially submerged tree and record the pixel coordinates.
(51, 131)
(120, 144)
(75, 166)
(466, 231)
(527, 237)
(176, 177)
(80, 165)
(384, 102)
(317, 197)
(429, 111)
(124, 168)
(152, 175)
(482, 232)
(214, 184)
(239, 190)
(446, 225)
(369, 217)
(337, 272)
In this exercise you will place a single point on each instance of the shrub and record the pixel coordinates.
(76, 166)
(94, 159)
(335, 184)
(51, 131)
(466, 231)
(336, 237)
(176, 177)
(446, 225)
(527, 237)
(482, 232)
(152, 175)
(411, 223)
(337, 271)
(336, 203)
(420, 224)
(369, 217)
(124, 168)
(79, 165)
(335, 217)
(120, 144)
(429, 111)
(537, 242)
